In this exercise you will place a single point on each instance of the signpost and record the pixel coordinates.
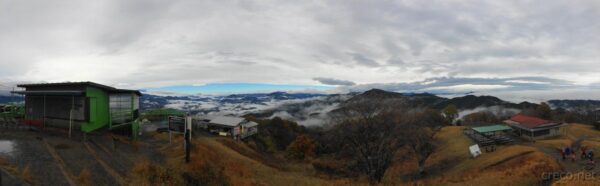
(182, 125)
(176, 125)
(475, 151)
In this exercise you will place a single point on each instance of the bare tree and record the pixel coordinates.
(419, 130)
(369, 130)
(373, 130)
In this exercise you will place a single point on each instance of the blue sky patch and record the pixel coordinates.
(236, 88)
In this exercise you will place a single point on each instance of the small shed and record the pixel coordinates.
(86, 106)
(490, 135)
(491, 129)
(236, 127)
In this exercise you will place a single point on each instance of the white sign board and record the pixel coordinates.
(475, 151)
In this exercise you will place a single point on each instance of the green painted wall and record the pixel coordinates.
(99, 113)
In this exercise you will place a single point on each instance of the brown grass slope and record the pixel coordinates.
(234, 163)
(222, 161)
(508, 165)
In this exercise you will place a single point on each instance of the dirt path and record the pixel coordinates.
(577, 166)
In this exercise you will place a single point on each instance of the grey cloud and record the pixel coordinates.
(445, 84)
(159, 43)
(363, 60)
(332, 81)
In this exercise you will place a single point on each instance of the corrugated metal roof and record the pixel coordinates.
(529, 121)
(85, 83)
(250, 124)
(491, 128)
(227, 120)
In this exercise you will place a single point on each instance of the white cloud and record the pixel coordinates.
(525, 82)
(467, 87)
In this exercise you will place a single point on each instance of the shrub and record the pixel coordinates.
(276, 134)
(303, 147)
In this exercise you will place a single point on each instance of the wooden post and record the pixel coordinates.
(169, 129)
(44, 119)
(532, 136)
(187, 136)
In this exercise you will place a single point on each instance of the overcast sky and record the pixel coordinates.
(351, 45)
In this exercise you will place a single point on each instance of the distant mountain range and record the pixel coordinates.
(310, 108)
(231, 104)
(10, 99)
(575, 104)
(436, 102)
(316, 111)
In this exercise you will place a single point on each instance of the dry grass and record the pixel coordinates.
(515, 165)
(136, 145)
(578, 179)
(555, 143)
(26, 175)
(575, 131)
(452, 144)
(84, 177)
(235, 164)
(5, 164)
(250, 153)
(146, 173)
(489, 159)
(508, 165)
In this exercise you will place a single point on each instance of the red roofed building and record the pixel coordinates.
(534, 128)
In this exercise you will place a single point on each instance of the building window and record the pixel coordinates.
(121, 107)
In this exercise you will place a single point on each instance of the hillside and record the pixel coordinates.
(575, 104)
(223, 161)
(520, 164)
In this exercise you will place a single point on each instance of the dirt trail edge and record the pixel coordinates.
(106, 167)
(61, 164)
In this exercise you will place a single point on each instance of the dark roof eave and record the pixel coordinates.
(127, 91)
(538, 128)
(50, 93)
(222, 125)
